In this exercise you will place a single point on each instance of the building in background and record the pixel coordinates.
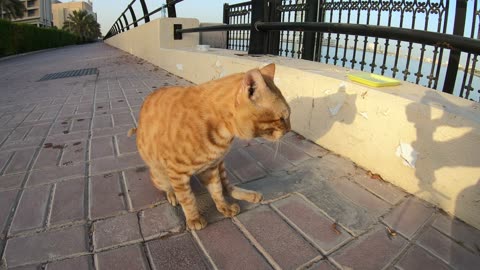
(62, 10)
(38, 12)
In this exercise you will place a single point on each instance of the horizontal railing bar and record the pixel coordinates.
(226, 27)
(410, 35)
(240, 4)
(452, 42)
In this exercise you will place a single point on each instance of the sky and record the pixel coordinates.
(204, 10)
(212, 11)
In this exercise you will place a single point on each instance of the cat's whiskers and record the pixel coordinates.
(276, 150)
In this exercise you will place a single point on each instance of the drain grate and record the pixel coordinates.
(70, 73)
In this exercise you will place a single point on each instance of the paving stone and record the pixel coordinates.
(461, 232)
(177, 252)
(78, 263)
(110, 164)
(160, 221)
(4, 158)
(127, 258)
(21, 145)
(74, 152)
(313, 224)
(266, 156)
(7, 199)
(80, 124)
(102, 121)
(409, 217)
(11, 181)
(333, 167)
(417, 258)
(110, 131)
(19, 133)
(20, 161)
(125, 144)
(38, 131)
(288, 151)
(308, 147)
(447, 250)
(48, 156)
(229, 248)
(243, 166)
(382, 189)
(358, 254)
(311, 182)
(55, 174)
(358, 195)
(106, 196)
(119, 230)
(278, 238)
(82, 108)
(120, 119)
(32, 209)
(101, 147)
(69, 137)
(141, 191)
(68, 201)
(45, 246)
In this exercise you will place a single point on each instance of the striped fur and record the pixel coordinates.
(188, 130)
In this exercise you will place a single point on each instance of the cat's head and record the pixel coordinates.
(262, 111)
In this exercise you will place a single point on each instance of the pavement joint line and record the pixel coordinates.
(204, 250)
(310, 262)
(256, 244)
(49, 209)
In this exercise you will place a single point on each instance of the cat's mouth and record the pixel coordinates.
(272, 134)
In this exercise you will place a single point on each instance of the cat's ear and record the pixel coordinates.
(250, 85)
(268, 71)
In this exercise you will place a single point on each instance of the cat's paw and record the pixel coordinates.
(196, 224)
(229, 210)
(171, 198)
(254, 197)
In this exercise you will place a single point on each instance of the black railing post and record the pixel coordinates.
(274, 15)
(134, 18)
(454, 59)
(258, 39)
(226, 20)
(119, 29)
(145, 11)
(121, 24)
(309, 37)
(172, 13)
(126, 22)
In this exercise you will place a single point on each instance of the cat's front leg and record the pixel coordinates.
(236, 192)
(212, 181)
(186, 198)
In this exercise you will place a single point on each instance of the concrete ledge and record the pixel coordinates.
(421, 140)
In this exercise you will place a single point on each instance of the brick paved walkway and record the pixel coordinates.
(74, 193)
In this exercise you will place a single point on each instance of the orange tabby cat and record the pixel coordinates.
(188, 130)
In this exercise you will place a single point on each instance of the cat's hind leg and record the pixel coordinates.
(236, 192)
(160, 180)
(211, 180)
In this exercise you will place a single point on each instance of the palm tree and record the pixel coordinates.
(11, 9)
(83, 25)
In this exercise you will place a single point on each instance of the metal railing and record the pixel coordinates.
(449, 69)
(427, 42)
(128, 18)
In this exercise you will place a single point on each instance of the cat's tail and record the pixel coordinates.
(132, 132)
